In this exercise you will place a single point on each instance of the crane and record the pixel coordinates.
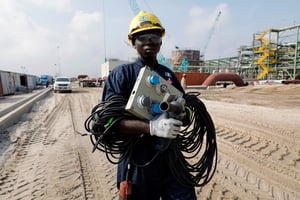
(211, 32)
(134, 6)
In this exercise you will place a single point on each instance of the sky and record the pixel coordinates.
(71, 37)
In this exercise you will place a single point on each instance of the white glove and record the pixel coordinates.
(161, 126)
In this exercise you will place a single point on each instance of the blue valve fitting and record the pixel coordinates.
(156, 108)
(154, 80)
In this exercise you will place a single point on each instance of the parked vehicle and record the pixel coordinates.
(86, 81)
(46, 80)
(63, 84)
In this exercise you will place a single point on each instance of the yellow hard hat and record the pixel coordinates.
(144, 21)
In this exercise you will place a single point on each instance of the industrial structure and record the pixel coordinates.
(273, 54)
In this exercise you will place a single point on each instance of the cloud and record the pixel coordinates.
(83, 42)
(82, 21)
(29, 41)
(204, 31)
(84, 32)
(201, 21)
(58, 5)
(20, 36)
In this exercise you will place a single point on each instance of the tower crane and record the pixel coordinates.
(134, 6)
(211, 32)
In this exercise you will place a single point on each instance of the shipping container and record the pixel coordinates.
(12, 82)
(1, 88)
(26, 82)
(32, 81)
(8, 83)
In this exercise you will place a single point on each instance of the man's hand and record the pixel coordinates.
(161, 126)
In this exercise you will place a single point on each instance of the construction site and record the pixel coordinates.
(273, 55)
(50, 147)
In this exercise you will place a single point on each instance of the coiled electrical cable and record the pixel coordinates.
(101, 123)
(192, 156)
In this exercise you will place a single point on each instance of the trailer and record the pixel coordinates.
(7, 83)
(90, 82)
(86, 81)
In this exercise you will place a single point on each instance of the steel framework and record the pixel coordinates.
(273, 54)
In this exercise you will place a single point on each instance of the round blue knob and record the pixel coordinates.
(154, 80)
(156, 108)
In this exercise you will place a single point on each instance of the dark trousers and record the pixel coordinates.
(153, 181)
(169, 189)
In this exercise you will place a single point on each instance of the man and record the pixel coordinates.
(149, 172)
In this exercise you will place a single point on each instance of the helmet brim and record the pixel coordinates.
(133, 34)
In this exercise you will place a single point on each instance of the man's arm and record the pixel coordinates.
(159, 126)
(133, 127)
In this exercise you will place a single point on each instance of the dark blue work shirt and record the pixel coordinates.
(121, 81)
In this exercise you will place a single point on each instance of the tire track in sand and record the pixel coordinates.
(97, 173)
(245, 165)
(43, 164)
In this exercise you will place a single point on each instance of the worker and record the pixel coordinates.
(183, 81)
(149, 175)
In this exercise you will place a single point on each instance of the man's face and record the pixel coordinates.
(148, 44)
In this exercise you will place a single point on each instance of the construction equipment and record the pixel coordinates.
(211, 32)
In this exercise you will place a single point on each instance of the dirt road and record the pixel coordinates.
(43, 156)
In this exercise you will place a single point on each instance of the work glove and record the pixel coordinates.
(161, 126)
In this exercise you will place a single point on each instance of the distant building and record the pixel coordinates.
(193, 57)
(109, 65)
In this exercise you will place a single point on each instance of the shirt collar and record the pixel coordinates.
(140, 62)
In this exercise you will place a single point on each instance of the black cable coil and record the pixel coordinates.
(192, 157)
(101, 122)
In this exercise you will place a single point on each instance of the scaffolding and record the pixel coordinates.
(274, 54)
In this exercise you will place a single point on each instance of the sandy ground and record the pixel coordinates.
(258, 136)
